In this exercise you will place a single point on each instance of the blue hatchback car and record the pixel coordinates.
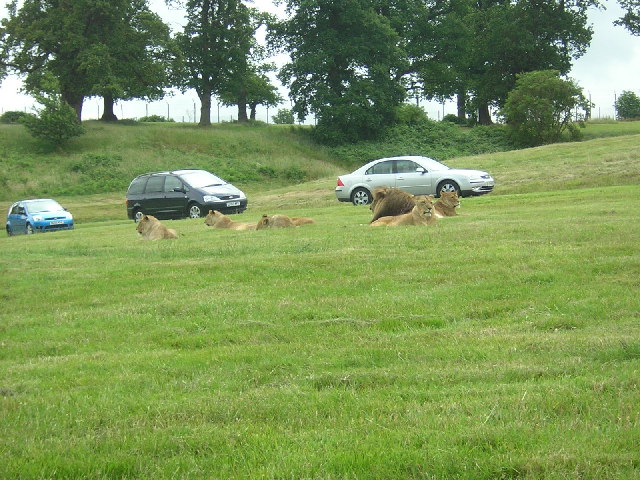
(38, 215)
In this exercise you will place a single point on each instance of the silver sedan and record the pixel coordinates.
(413, 174)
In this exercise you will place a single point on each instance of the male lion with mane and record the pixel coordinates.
(216, 219)
(420, 214)
(446, 205)
(150, 228)
(390, 201)
(282, 221)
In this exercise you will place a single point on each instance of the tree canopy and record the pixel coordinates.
(86, 47)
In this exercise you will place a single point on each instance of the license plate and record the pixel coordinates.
(233, 204)
(56, 222)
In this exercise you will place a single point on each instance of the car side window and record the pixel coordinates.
(380, 168)
(137, 186)
(406, 166)
(172, 183)
(155, 184)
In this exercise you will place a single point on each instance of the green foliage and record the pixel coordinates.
(409, 114)
(631, 18)
(283, 117)
(439, 140)
(56, 123)
(155, 119)
(628, 106)
(540, 108)
(12, 117)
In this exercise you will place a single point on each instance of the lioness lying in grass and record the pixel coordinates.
(216, 219)
(150, 228)
(282, 221)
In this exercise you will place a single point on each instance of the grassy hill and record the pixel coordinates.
(502, 343)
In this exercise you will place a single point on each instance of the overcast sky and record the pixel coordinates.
(610, 66)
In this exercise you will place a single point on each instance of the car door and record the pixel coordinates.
(412, 178)
(175, 197)
(18, 219)
(380, 175)
(153, 201)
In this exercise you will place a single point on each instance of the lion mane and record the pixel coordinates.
(446, 205)
(420, 214)
(390, 201)
(216, 219)
(282, 221)
(150, 228)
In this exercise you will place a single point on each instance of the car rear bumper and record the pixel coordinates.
(342, 194)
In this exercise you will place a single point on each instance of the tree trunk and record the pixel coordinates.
(484, 117)
(462, 105)
(242, 108)
(75, 101)
(205, 108)
(252, 110)
(108, 115)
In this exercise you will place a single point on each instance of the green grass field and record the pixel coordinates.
(500, 344)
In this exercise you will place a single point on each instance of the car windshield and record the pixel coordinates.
(431, 165)
(39, 206)
(201, 179)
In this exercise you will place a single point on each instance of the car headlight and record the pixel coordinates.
(210, 198)
(37, 218)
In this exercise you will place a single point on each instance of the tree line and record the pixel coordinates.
(351, 62)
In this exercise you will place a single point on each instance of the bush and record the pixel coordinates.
(539, 109)
(408, 114)
(156, 118)
(56, 123)
(12, 117)
(627, 106)
(452, 118)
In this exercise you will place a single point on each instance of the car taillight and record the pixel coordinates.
(340, 184)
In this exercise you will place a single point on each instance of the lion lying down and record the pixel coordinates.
(150, 228)
(420, 214)
(282, 221)
(216, 219)
(391, 201)
(447, 204)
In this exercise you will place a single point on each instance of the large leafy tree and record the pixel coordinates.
(345, 66)
(507, 38)
(135, 57)
(84, 47)
(215, 46)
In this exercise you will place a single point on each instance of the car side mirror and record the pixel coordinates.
(179, 190)
(421, 170)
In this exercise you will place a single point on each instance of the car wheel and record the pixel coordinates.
(447, 186)
(9, 232)
(137, 215)
(30, 230)
(361, 196)
(195, 211)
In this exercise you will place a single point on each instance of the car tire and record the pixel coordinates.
(194, 210)
(361, 196)
(29, 229)
(9, 232)
(137, 215)
(447, 186)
